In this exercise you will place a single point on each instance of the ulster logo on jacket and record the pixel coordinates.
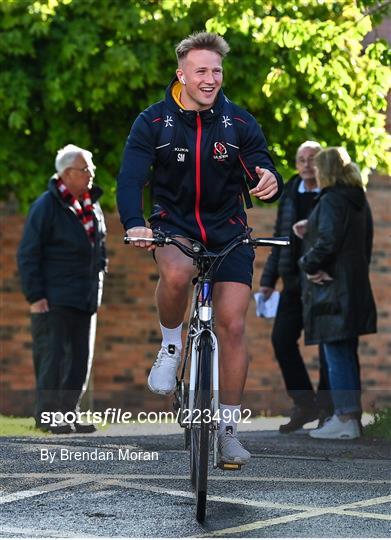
(220, 151)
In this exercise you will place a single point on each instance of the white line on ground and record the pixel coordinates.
(212, 478)
(369, 502)
(366, 515)
(340, 510)
(260, 504)
(261, 524)
(216, 498)
(292, 456)
(18, 495)
(305, 512)
(41, 533)
(146, 487)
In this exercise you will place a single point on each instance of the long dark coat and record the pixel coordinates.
(56, 260)
(339, 241)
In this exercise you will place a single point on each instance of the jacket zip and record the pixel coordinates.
(198, 180)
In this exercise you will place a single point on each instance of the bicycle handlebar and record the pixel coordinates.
(272, 241)
(197, 248)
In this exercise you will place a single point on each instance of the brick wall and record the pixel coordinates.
(128, 334)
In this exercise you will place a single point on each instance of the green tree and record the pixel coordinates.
(81, 70)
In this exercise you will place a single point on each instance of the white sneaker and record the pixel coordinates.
(334, 428)
(162, 377)
(230, 449)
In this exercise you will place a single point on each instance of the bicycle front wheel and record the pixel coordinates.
(199, 441)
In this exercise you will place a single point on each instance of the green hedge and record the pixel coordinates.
(81, 70)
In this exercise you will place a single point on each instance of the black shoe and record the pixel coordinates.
(59, 429)
(84, 428)
(299, 417)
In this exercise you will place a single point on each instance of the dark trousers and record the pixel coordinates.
(60, 355)
(288, 326)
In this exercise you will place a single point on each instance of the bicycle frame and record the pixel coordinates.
(200, 355)
(200, 321)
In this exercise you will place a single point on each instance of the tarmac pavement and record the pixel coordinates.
(133, 481)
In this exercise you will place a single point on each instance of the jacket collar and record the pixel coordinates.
(209, 115)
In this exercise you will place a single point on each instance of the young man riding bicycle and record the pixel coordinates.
(197, 191)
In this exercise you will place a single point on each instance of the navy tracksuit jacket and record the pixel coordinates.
(198, 172)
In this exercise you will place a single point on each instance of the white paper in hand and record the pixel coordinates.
(266, 308)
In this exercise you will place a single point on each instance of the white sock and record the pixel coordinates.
(172, 336)
(229, 417)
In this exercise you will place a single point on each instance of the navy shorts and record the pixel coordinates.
(237, 266)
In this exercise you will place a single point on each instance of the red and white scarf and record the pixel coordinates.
(83, 210)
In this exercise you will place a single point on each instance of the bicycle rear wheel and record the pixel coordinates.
(199, 440)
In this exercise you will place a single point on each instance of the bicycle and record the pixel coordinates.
(197, 392)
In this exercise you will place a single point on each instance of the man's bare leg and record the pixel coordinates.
(231, 302)
(172, 291)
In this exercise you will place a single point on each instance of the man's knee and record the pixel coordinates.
(175, 276)
(232, 327)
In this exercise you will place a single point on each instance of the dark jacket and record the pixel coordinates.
(198, 177)
(55, 257)
(339, 241)
(282, 261)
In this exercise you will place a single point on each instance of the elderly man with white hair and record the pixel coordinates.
(61, 260)
(296, 203)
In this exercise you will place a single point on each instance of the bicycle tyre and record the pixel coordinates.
(199, 440)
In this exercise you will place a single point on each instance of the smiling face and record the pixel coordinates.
(202, 72)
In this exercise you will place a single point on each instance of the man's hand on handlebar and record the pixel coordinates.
(143, 232)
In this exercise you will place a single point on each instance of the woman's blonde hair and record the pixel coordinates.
(334, 165)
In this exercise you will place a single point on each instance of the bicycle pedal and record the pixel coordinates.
(229, 466)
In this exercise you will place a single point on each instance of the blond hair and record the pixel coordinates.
(202, 41)
(334, 165)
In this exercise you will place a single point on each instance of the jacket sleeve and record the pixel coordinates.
(330, 222)
(138, 156)
(254, 152)
(30, 251)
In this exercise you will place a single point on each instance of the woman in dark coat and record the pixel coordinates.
(338, 304)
